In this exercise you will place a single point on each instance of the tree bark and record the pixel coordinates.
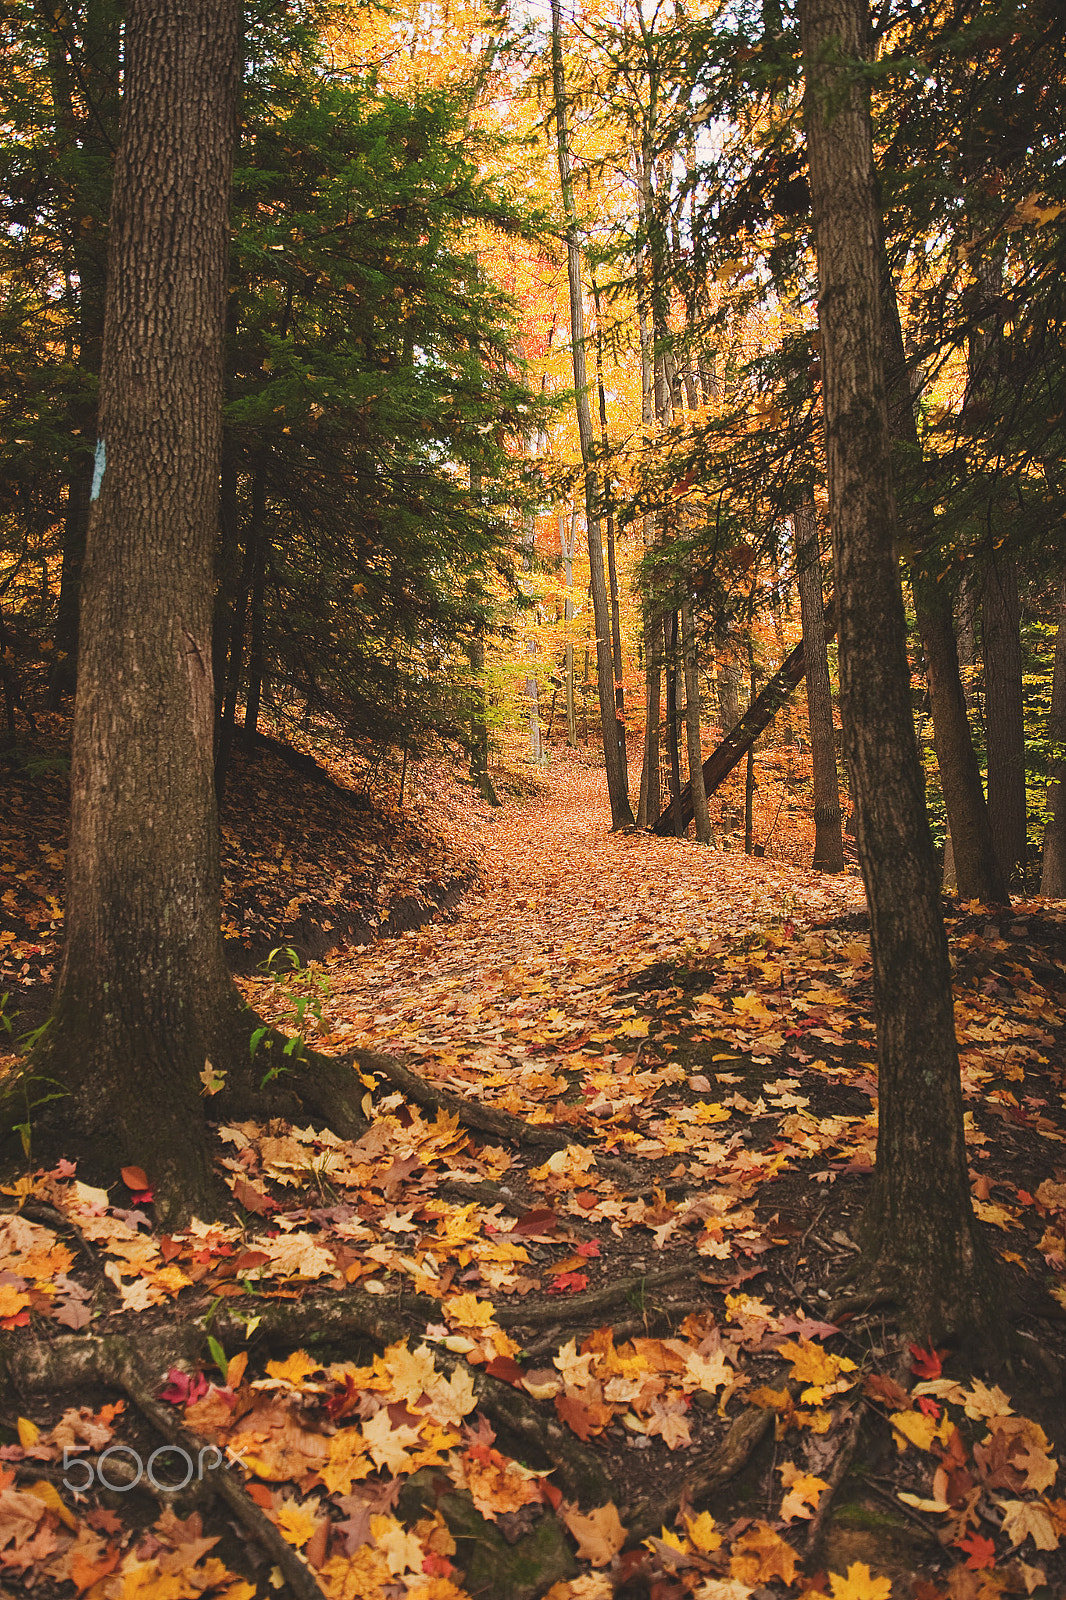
(144, 997)
(1053, 873)
(1004, 714)
(89, 129)
(673, 747)
(700, 813)
(973, 856)
(921, 1238)
(828, 841)
(566, 547)
(614, 749)
(144, 994)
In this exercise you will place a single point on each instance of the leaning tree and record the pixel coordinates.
(144, 999)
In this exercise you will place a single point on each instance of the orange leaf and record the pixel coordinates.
(135, 1178)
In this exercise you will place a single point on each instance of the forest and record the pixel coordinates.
(532, 935)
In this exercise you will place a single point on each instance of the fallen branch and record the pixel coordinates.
(578, 1306)
(736, 744)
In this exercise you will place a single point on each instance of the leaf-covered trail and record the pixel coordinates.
(566, 911)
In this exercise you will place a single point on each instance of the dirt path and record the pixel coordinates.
(566, 912)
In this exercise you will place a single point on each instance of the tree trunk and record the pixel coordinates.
(828, 842)
(700, 813)
(567, 550)
(1004, 714)
(532, 692)
(94, 80)
(260, 537)
(977, 871)
(144, 997)
(614, 749)
(648, 814)
(921, 1240)
(143, 993)
(672, 742)
(1053, 874)
(238, 622)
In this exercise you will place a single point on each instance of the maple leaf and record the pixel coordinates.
(925, 1363)
(760, 1554)
(599, 1534)
(701, 1532)
(859, 1585)
(388, 1446)
(294, 1370)
(914, 1427)
(1029, 1519)
(815, 1365)
(981, 1551)
(347, 1461)
(568, 1283)
(804, 1492)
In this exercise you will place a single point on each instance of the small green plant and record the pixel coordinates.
(33, 1102)
(305, 992)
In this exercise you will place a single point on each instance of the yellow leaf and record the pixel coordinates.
(347, 1462)
(29, 1432)
(812, 1364)
(297, 1522)
(859, 1585)
(914, 1427)
(48, 1495)
(701, 1532)
(467, 1311)
(761, 1554)
(294, 1370)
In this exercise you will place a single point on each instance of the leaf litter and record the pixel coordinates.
(693, 1028)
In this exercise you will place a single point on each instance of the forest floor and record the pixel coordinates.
(562, 1322)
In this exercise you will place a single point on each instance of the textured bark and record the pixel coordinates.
(86, 99)
(1053, 874)
(921, 1235)
(650, 797)
(728, 683)
(1004, 714)
(700, 814)
(673, 747)
(973, 856)
(614, 748)
(828, 841)
(143, 993)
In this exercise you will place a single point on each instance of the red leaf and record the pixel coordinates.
(568, 1283)
(926, 1363)
(928, 1406)
(588, 1247)
(982, 1552)
(551, 1494)
(506, 1368)
(540, 1221)
(252, 1199)
(135, 1177)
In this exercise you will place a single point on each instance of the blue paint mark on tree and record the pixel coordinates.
(99, 468)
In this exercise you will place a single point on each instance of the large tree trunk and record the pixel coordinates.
(921, 1236)
(614, 748)
(828, 842)
(1053, 874)
(1004, 714)
(144, 997)
(973, 857)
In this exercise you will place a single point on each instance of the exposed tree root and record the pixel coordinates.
(481, 1118)
(315, 1322)
(299, 1578)
(646, 1517)
(847, 1446)
(578, 1306)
